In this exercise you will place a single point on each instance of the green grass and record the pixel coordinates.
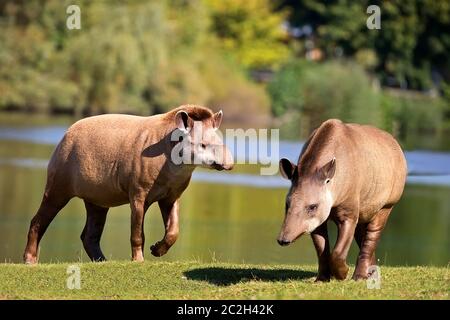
(193, 280)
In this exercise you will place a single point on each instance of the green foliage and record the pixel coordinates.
(250, 31)
(413, 40)
(146, 57)
(285, 90)
(135, 57)
(412, 114)
(311, 89)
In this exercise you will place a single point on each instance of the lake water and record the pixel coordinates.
(232, 217)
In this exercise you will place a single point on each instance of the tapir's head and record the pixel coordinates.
(201, 141)
(309, 200)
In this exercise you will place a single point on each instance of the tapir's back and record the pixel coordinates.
(97, 151)
(109, 137)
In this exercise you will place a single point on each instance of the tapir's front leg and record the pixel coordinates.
(169, 211)
(346, 230)
(138, 208)
(320, 240)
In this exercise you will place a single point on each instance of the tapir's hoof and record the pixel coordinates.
(99, 259)
(339, 269)
(359, 276)
(158, 249)
(29, 259)
(322, 278)
(340, 274)
(138, 259)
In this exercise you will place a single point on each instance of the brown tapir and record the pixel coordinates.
(110, 160)
(349, 173)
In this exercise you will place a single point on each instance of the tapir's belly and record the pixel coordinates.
(98, 183)
(105, 200)
(102, 194)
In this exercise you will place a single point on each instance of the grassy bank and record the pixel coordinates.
(192, 280)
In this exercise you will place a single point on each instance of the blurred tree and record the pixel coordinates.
(410, 51)
(250, 31)
(413, 116)
(310, 89)
(136, 57)
(433, 45)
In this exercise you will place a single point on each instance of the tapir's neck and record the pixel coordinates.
(181, 171)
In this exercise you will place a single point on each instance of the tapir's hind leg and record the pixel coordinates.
(367, 237)
(50, 206)
(360, 235)
(92, 232)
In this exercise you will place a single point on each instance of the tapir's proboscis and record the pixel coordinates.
(111, 160)
(348, 173)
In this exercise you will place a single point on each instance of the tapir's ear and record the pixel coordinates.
(328, 170)
(217, 119)
(183, 121)
(287, 168)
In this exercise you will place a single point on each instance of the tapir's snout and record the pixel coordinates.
(217, 166)
(283, 242)
(224, 161)
(288, 235)
(228, 162)
(221, 167)
(228, 165)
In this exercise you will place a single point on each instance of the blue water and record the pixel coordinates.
(42, 135)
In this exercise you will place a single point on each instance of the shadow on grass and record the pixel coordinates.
(228, 276)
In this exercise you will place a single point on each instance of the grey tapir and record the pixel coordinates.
(349, 173)
(110, 160)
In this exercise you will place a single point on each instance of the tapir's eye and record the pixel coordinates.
(327, 181)
(312, 208)
(203, 146)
